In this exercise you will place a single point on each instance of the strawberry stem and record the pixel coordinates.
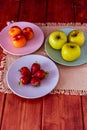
(20, 83)
(46, 73)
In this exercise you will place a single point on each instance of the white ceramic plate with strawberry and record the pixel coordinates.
(31, 46)
(27, 90)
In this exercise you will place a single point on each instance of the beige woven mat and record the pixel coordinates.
(73, 80)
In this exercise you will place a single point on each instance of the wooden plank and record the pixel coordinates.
(59, 111)
(1, 106)
(80, 8)
(33, 11)
(8, 11)
(60, 11)
(22, 114)
(84, 112)
(62, 112)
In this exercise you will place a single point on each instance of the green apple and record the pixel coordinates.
(76, 36)
(57, 39)
(70, 51)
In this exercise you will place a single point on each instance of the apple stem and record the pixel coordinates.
(58, 37)
(74, 35)
(72, 46)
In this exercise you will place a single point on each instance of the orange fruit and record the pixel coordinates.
(19, 40)
(14, 30)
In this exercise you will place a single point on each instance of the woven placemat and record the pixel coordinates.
(73, 80)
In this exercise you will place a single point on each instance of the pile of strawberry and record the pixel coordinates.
(32, 76)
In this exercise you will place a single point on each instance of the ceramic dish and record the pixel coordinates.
(32, 45)
(55, 55)
(28, 91)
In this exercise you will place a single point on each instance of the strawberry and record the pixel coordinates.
(35, 67)
(35, 81)
(25, 71)
(41, 74)
(24, 80)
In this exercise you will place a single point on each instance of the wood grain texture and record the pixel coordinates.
(62, 112)
(84, 110)
(80, 8)
(52, 112)
(22, 114)
(8, 11)
(33, 11)
(1, 107)
(60, 11)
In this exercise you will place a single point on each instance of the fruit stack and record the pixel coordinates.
(70, 45)
(32, 76)
(20, 36)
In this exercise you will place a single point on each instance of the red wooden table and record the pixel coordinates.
(54, 111)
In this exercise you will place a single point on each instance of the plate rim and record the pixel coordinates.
(18, 54)
(33, 97)
(76, 64)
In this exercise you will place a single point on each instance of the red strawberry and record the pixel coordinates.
(35, 67)
(35, 81)
(41, 74)
(25, 80)
(25, 71)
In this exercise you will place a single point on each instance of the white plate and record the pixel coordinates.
(32, 45)
(27, 91)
